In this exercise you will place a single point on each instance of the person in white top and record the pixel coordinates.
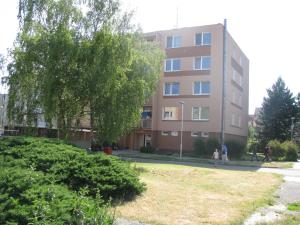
(215, 156)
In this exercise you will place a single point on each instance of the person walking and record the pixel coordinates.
(266, 153)
(215, 156)
(254, 153)
(224, 153)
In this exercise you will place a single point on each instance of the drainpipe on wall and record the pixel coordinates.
(224, 80)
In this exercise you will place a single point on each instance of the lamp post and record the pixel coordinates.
(292, 127)
(181, 131)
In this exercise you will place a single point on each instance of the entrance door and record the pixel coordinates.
(147, 140)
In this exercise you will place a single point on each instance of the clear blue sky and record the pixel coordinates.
(266, 30)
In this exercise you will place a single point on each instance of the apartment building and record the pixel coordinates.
(3, 112)
(193, 75)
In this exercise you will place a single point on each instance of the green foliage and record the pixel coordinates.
(199, 146)
(68, 64)
(147, 149)
(277, 110)
(252, 145)
(235, 149)
(71, 166)
(27, 196)
(294, 206)
(211, 145)
(286, 151)
(291, 151)
(277, 150)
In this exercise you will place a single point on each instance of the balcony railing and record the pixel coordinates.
(146, 123)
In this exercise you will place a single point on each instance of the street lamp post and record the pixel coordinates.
(181, 131)
(292, 127)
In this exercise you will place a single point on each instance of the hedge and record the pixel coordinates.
(45, 181)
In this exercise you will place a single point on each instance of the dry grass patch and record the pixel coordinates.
(180, 195)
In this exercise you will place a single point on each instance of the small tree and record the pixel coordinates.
(277, 110)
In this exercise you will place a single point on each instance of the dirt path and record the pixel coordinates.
(289, 192)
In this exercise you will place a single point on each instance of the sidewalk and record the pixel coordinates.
(289, 192)
(136, 155)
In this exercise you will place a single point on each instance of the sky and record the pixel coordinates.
(266, 30)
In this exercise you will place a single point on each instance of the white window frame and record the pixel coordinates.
(172, 117)
(237, 77)
(173, 42)
(174, 133)
(205, 134)
(202, 38)
(195, 134)
(201, 62)
(202, 41)
(165, 133)
(171, 94)
(200, 113)
(172, 64)
(201, 93)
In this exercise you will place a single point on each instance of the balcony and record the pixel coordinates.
(146, 123)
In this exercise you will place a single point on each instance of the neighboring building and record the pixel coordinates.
(3, 112)
(193, 74)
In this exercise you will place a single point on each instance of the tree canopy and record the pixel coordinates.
(278, 109)
(77, 58)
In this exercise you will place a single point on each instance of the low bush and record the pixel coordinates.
(235, 149)
(211, 145)
(200, 147)
(277, 150)
(252, 146)
(29, 197)
(72, 166)
(147, 149)
(291, 151)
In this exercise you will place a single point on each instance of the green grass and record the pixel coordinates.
(294, 206)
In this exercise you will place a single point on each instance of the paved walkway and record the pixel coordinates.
(289, 192)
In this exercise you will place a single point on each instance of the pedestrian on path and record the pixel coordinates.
(267, 151)
(224, 153)
(215, 156)
(254, 153)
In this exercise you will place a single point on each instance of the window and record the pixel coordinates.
(200, 113)
(201, 88)
(165, 133)
(203, 39)
(241, 61)
(205, 134)
(170, 113)
(237, 78)
(173, 41)
(237, 99)
(171, 89)
(206, 38)
(236, 120)
(174, 133)
(233, 119)
(172, 65)
(200, 134)
(202, 63)
(195, 134)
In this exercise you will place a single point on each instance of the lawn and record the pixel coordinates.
(178, 194)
